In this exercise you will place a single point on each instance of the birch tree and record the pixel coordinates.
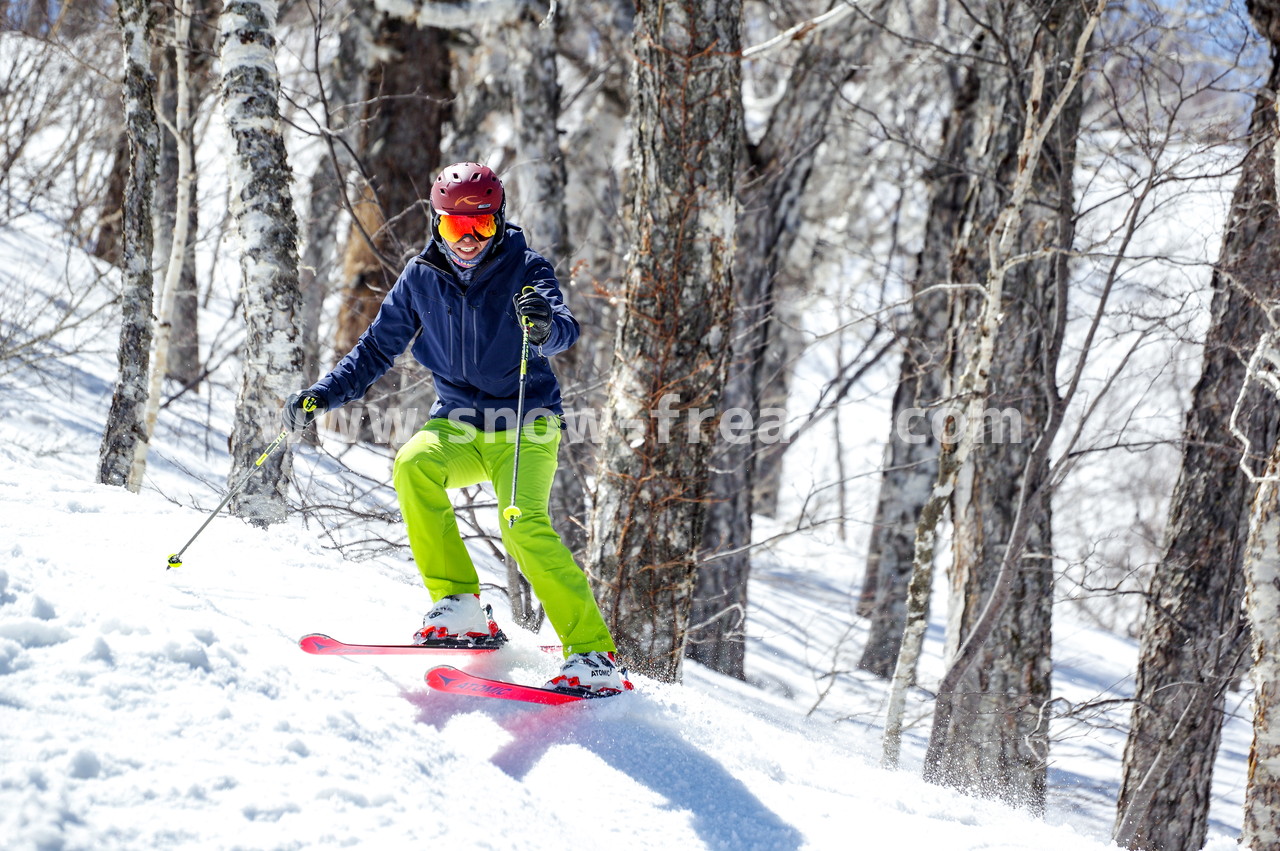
(194, 51)
(183, 140)
(126, 420)
(539, 177)
(988, 732)
(540, 172)
(1262, 605)
(984, 736)
(262, 207)
(671, 349)
(911, 454)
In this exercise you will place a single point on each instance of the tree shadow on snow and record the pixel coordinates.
(725, 813)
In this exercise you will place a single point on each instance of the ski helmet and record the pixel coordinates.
(467, 189)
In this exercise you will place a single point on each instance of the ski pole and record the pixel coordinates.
(512, 512)
(175, 560)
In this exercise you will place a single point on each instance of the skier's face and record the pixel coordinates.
(467, 235)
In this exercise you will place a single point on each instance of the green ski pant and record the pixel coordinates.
(447, 454)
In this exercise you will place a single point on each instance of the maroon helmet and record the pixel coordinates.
(467, 189)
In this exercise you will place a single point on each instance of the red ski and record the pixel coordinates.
(323, 645)
(448, 679)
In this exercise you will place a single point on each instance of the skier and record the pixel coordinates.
(465, 297)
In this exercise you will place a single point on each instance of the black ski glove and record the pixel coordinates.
(536, 310)
(301, 410)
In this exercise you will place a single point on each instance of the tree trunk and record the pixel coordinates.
(184, 365)
(539, 182)
(1262, 606)
(540, 174)
(989, 732)
(540, 179)
(673, 340)
(594, 257)
(179, 127)
(1020, 214)
(911, 456)
(997, 741)
(786, 342)
(1194, 631)
(408, 101)
(125, 427)
(262, 207)
(778, 169)
(107, 242)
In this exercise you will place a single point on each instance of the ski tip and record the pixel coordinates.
(437, 677)
(316, 643)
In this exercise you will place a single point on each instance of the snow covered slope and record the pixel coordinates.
(146, 708)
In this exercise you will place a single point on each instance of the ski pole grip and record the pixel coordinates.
(275, 444)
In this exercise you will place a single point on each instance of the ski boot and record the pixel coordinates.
(459, 620)
(593, 674)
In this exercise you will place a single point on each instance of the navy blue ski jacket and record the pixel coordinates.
(469, 337)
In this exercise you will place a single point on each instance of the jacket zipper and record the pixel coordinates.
(462, 351)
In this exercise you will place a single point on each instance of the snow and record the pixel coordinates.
(142, 707)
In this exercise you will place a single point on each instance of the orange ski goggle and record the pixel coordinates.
(454, 228)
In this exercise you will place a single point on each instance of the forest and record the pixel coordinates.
(978, 289)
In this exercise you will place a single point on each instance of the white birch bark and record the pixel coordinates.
(540, 166)
(263, 211)
(1261, 830)
(181, 131)
(125, 423)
